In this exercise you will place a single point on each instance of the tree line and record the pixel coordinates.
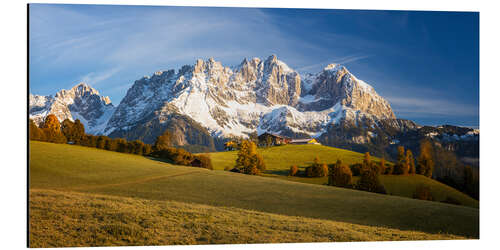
(51, 130)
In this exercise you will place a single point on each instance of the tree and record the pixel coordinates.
(35, 133)
(356, 169)
(381, 166)
(293, 170)
(367, 160)
(370, 182)
(52, 130)
(163, 141)
(317, 169)
(425, 164)
(410, 162)
(401, 166)
(340, 175)
(67, 129)
(51, 122)
(249, 161)
(78, 132)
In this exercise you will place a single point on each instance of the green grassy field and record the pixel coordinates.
(215, 200)
(279, 159)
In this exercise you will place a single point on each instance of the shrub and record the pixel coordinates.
(423, 192)
(340, 175)
(293, 170)
(202, 161)
(370, 181)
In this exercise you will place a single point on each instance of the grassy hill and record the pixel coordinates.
(113, 198)
(279, 159)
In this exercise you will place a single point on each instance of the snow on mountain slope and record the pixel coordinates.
(80, 102)
(255, 96)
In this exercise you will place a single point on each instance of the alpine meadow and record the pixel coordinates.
(255, 127)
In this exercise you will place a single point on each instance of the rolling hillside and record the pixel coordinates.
(279, 159)
(106, 185)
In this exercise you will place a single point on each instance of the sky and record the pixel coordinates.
(426, 64)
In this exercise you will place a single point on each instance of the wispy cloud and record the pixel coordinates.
(94, 78)
(339, 60)
(416, 107)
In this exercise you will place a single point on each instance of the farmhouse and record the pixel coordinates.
(268, 139)
(305, 141)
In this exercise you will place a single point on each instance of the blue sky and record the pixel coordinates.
(426, 64)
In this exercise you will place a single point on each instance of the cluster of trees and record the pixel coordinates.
(49, 131)
(74, 133)
(316, 169)
(249, 161)
(340, 175)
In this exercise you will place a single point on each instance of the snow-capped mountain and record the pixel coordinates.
(80, 102)
(254, 96)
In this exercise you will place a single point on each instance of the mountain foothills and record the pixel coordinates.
(207, 104)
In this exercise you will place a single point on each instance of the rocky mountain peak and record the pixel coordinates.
(80, 102)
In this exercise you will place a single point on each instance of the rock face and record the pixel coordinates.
(254, 96)
(80, 102)
(206, 103)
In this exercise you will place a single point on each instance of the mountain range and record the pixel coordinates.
(207, 103)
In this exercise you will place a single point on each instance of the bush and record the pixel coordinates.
(423, 192)
(370, 181)
(340, 175)
(293, 170)
(202, 161)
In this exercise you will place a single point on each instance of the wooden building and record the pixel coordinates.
(268, 139)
